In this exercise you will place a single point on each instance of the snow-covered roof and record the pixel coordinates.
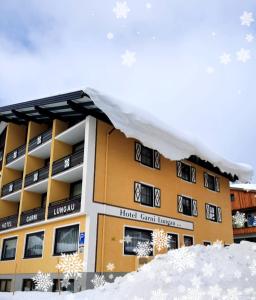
(134, 122)
(248, 187)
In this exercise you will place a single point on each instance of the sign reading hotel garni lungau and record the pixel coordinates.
(147, 217)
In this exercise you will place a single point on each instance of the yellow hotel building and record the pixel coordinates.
(72, 182)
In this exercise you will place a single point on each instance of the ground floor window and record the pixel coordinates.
(28, 285)
(173, 241)
(9, 249)
(207, 243)
(5, 285)
(134, 235)
(55, 287)
(34, 245)
(66, 240)
(188, 240)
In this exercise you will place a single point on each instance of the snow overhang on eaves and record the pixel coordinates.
(246, 187)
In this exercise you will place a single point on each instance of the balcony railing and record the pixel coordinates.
(12, 187)
(8, 222)
(67, 162)
(40, 139)
(32, 216)
(64, 207)
(37, 176)
(16, 153)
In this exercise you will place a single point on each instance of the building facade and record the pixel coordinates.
(72, 182)
(243, 201)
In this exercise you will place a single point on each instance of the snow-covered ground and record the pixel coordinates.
(191, 273)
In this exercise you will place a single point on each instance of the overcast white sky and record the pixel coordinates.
(49, 47)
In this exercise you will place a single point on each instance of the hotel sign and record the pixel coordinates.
(7, 224)
(64, 208)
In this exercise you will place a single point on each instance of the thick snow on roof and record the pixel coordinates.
(188, 273)
(134, 122)
(244, 186)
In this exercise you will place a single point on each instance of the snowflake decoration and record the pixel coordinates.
(71, 266)
(158, 295)
(121, 10)
(252, 267)
(110, 267)
(182, 260)
(218, 244)
(215, 291)
(246, 18)
(98, 281)
(194, 294)
(232, 294)
(225, 58)
(196, 281)
(243, 55)
(111, 276)
(128, 58)
(208, 270)
(143, 249)
(161, 240)
(65, 282)
(43, 281)
(249, 38)
(239, 219)
(110, 36)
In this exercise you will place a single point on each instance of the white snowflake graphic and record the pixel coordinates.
(71, 266)
(210, 70)
(232, 294)
(110, 267)
(252, 267)
(215, 291)
(158, 295)
(218, 244)
(161, 240)
(143, 249)
(225, 58)
(182, 259)
(239, 219)
(243, 55)
(121, 10)
(110, 36)
(128, 58)
(98, 281)
(194, 294)
(65, 282)
(128, 239)
(196, 281)
(208, 269)
(249, 38)
(43, 281)
(246, 18)
(237, 274)
(111, 276)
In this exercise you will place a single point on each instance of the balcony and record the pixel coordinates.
(32, 216)
(64, 207)
(37, 181)
(73, 135)
(244, 231)
(40, 146)
(16, 158)
(69, 168)
(12, 190)
(8, 222)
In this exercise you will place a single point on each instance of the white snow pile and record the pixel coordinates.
(191, 273)
(134, 122)
(244, 186)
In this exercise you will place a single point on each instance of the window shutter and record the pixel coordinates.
(207, 211)
(137, 192)
(193, 174)
(157, 197)
(180, 205)
(217, 184)
(219, 215)
(179, 169)
(138, 152)
(194, 208)
(206, 180)
(156, 159)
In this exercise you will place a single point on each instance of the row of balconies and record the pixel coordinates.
(55, 209)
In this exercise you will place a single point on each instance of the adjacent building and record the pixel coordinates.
(73, 182)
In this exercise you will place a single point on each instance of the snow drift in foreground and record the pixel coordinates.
(191, 273)
(134, 122)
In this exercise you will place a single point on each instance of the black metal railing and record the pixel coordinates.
(16, 153)
(37, 176)
(12, 187)
(64, 207)
(8, 222)
(32, 216)
(40, 139)
(68, 162)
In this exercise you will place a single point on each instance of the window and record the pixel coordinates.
(187, 206)
(69, 288)
(28, 285)
(211, 182)
(174, 241)
(147, 195)
(232, 197)
(66, 240)
(147, 156)
(34, 245)
(9, 249)
(213, 213)
(186, 172)
(134, 235)
(188, 241)
(75, 188)
(5, 285)
(207, 243)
